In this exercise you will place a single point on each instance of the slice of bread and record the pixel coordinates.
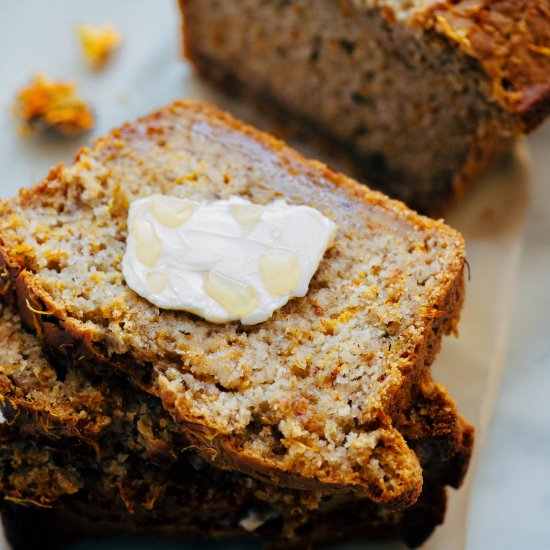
(188, 519)
(51, 400)
(306, 399)
(55, 454)
(424, 96)
(96, 446)
(190, 498)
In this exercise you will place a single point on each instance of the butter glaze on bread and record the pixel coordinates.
(307, 399)
(422, 95)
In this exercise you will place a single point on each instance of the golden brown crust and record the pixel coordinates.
(511, 41)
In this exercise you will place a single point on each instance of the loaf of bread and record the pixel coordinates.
(101, 450)
(307, 399)
(423, 95)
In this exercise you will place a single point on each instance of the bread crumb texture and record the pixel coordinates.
(305, 397)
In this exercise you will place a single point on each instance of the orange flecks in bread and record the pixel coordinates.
(28, 501)
(343, 317)
(98, 43)
(190, 176)
(458, 35)
(15, 221)
(37, 311)
(24, 248)
(543, 50)
(97, 276)
(371, 292)
(431, 313)
(360, 278)
(53, 104)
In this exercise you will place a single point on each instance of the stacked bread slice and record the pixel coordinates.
(319, 424)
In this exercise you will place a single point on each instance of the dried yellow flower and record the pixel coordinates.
(53, 104)
(98, 43)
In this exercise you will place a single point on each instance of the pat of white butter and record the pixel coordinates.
(226, 260)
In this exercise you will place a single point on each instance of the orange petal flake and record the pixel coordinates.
(98, 43)
(53, 104)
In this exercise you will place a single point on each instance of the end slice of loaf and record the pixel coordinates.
(423, 95)
(306, 399)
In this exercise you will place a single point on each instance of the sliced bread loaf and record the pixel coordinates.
(423, 95)
(305, 399)
(134, 473)
(189, 498)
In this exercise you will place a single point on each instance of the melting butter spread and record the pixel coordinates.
(226, 260)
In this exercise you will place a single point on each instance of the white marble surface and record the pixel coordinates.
(510, 507)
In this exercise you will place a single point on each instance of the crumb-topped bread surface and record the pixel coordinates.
(305, 398)
(508, 38)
